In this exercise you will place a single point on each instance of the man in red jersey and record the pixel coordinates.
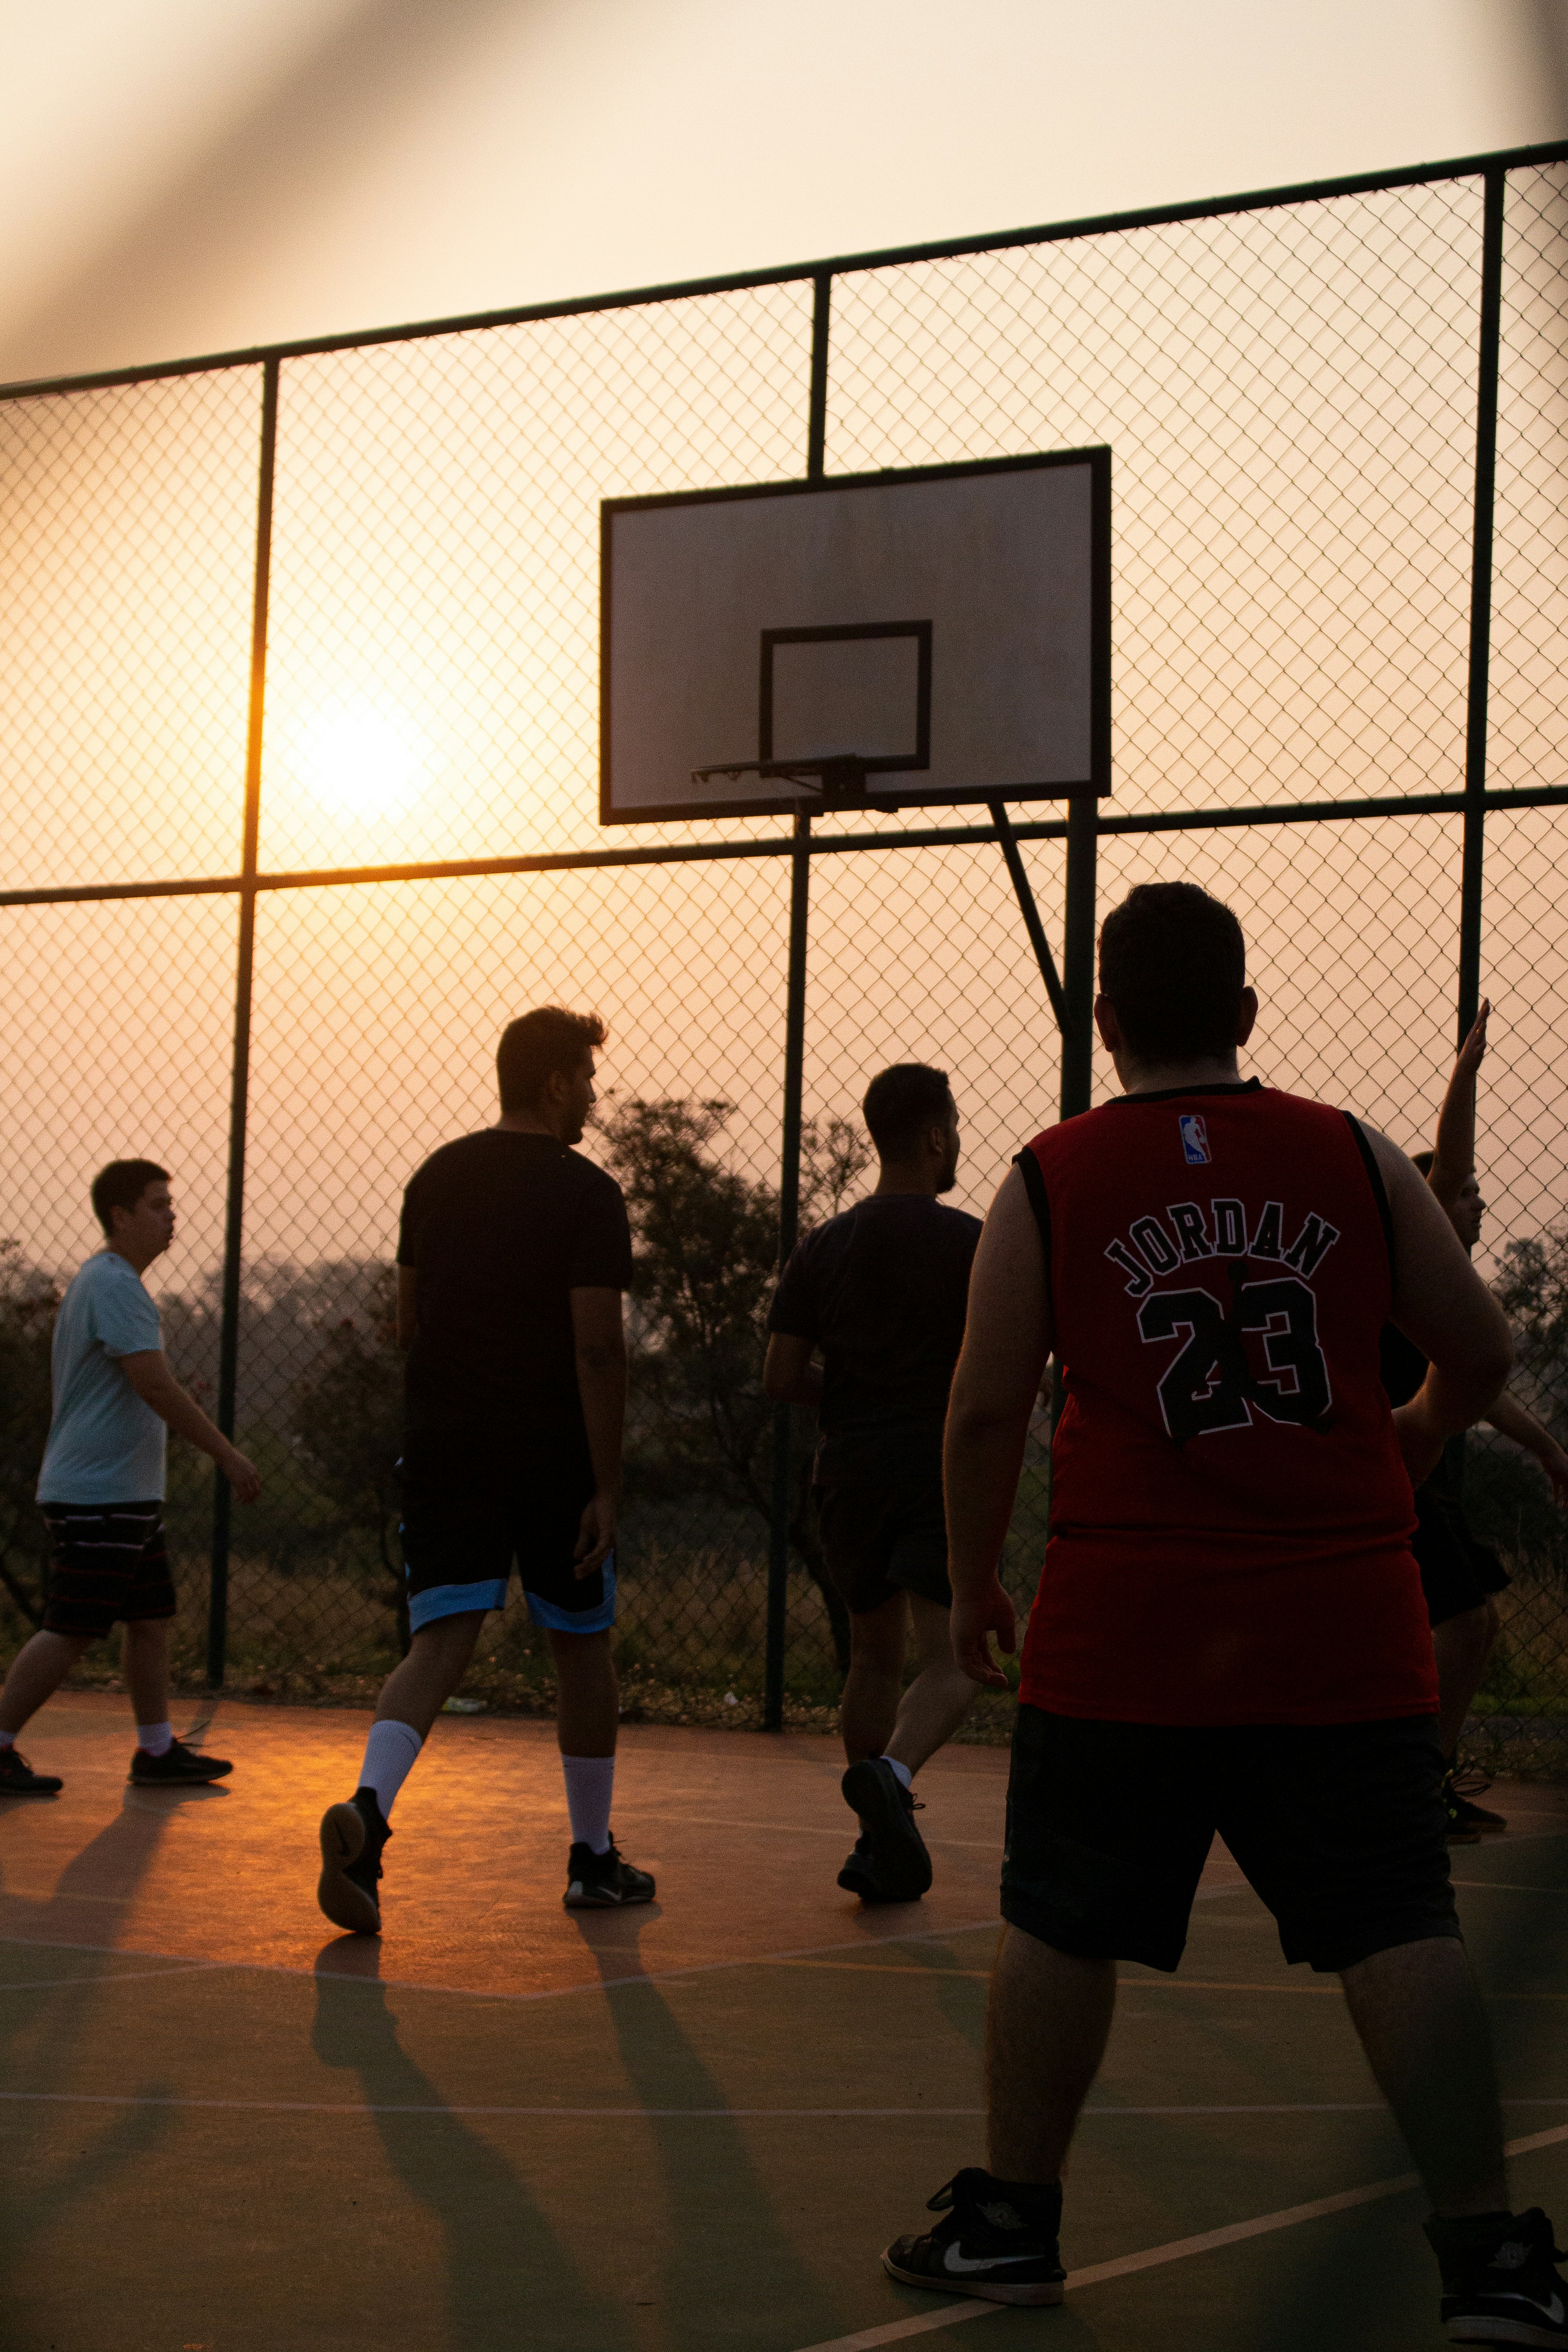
(1229, 1633)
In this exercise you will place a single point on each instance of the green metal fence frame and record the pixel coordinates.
(1070, 996)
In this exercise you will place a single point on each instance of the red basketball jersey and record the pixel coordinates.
(1230, 1516)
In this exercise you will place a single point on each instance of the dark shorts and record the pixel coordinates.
(1339, 1827)
(470, 1513)
(1457, 1572)
(884, 1531)
(107, 1562)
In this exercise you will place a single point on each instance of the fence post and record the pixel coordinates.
(789, 1222)
(239, 1088)
(1077, 954)
(1469, 988)
(1014, 860)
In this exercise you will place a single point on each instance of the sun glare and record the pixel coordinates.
(364, 760)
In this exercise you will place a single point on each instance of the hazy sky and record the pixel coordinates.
(177, 177)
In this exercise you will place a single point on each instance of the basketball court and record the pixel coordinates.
(228, 2130)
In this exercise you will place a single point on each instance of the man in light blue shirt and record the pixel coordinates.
(100, 1488)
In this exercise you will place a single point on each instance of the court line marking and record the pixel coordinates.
(1507, 1887)
(865, 2340)
(720, 2115)
(121, 1976)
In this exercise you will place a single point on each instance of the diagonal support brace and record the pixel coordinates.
(1029, 911)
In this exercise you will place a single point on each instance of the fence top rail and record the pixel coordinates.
(1302, 192)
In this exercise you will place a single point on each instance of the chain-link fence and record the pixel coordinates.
(299, 695)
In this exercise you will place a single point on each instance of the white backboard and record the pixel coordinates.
(948, 626)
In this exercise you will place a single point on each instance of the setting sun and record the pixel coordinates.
(362, 759)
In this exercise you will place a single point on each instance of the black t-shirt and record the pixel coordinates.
(882, 1290)
(501, 1227)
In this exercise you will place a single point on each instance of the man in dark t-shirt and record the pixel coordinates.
(512, 1262)
(881, 1291)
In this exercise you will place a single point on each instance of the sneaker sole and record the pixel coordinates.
(906, 1871)
(855, 1881)
(1040, 2295)
(1490, 2330)
(570, 1902)
(177, 1779)
(342, 1843)
(31, 1793)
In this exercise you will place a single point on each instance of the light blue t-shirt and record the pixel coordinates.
(105, 1445)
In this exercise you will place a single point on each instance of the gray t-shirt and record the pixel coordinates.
(105, 1445)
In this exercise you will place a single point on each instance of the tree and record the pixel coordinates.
(28, 1301)
(345, 1419)
(1509, 1501)
(705, 1262)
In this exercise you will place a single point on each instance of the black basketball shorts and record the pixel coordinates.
(471, 1511)
(1458, 1572)
(1339, 1827)
(883, 1531)
(108, 1561)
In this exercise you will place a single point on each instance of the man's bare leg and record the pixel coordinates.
(1463, 1647)
(439, 1655)
(37, 1670)
(1047, 2025)
(868, 1704)
(1421, 2024)
(940, 1693)
(588, 1696)
(144, 1663)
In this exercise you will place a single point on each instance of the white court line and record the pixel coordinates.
(925, 2323)
(125, 1976)
(715, 2115)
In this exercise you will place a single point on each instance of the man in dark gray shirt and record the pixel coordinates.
(881, 1291)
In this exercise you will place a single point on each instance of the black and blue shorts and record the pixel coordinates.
(108, 1564)
(470, 1512)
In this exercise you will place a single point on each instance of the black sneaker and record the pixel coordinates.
(179, 1767)
(859, 1875)
(1500, 2283)
(1464, 1814)
(353, 1836)
(17, 1777)
(602, 1882)
(897, 1852)
(998, 2241)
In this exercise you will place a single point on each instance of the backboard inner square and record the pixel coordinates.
(850, 695)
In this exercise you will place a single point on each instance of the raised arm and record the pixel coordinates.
(148, 1373)
(1441, 1303)
(1453, 1156)
(1006, 1345)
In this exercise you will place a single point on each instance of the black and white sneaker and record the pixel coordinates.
(900, 1864)
(179, 1767)
(353, 1836)
(17, 1777)
(1465, 1817)
(997, 2240)
(602, 1882)
(1500, 2285)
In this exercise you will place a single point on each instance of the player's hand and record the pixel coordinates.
(1475, 1045)
(1419, 1444)
(1554, 1462)
(242, 1474)
(596, 1535)
(974, 1619)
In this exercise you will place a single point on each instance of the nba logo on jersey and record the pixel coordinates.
(1195, 1140)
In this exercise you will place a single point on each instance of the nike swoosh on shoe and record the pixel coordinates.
(953, 2260)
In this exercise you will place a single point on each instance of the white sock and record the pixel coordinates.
(389, 1754)
(906, 1777)
(7, 1739)
(590, 1784)
(155, 1739)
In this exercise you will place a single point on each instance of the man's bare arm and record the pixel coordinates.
(148, 1373)
(1454, 1155)
(599, 1335)
(1006, 1344)
(407, 1297)
(1441, 1303)
(789, 1376)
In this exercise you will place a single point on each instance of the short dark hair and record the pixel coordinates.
(902, 1103)
(1423, 1159)
(539, 1046)
(120, 1185)
(1174, 963)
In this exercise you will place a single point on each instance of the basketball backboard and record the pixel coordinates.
(936, 635)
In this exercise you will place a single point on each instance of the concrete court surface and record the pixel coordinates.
(227, 2128)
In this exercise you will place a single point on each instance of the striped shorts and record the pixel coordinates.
(108, 1561)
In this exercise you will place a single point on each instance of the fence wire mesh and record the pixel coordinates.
(1291, 395)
